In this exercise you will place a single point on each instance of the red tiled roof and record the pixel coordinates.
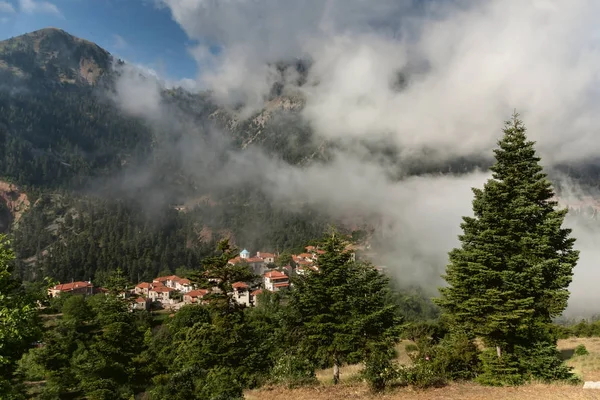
(162, 289)
(240, 285)
(144, 285)
(184, 281)
(255, 260)
(281, 284)
(165, 278)
(275, 275)
(310, 248)
(265, 255)
(305, 255)
(257, 292)
(235, 260)
(320, 251)
(197, 293)
(66, 287)
(140, 300)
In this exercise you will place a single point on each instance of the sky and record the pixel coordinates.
(139, 31)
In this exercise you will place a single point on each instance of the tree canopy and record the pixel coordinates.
(510, 276)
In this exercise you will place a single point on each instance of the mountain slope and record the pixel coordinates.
(53, 57)
(102, 183)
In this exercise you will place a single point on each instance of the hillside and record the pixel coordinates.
(80, 160)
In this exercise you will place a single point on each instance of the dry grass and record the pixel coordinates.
(588, 367)
(465, 391)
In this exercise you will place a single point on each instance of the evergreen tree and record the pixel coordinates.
(510, 276)
(19, 323)
(342, 309)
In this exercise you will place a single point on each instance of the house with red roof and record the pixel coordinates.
(141, 303)
(142, 288)
(161, 294)
(275, 280)
(195, 296)
(79, 287)
(241, 293)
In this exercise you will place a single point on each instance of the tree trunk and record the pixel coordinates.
(498, 351)
(336, 370)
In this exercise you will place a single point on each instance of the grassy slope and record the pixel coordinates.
(588, 367)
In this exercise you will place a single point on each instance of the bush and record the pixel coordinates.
(293, 371)
(543, 362)
(421, 375)
(380, 371)
(456, 357)
(411, 348)
(581, 350)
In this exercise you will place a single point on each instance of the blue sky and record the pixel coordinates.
(135, 30)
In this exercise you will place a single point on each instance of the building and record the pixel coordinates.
(195, 296)
(245, 254)
(161, 294)
(275, 280)
(79, 287)
(184, 285)
(254, 296)
(268, 258)
(241, 293)
(142, 288)
(141, 304)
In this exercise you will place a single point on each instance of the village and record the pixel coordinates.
(172, 292)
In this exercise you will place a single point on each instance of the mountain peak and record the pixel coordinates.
(53, 55)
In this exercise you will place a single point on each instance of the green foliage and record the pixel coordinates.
(580, 350)
(380, 370)
(510, 277)
(342, 309)
(292, 371)
(19, 323)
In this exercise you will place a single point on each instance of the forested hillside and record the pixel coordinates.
(70, 149)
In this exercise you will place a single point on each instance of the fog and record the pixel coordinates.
(466, 66)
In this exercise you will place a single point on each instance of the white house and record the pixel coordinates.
(161, 294)
(241, 293)
(275, 280)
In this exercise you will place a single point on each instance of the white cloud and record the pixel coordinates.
(470, 64)
(481, 60)
(119, 42)
(6, 7)
(40, 6)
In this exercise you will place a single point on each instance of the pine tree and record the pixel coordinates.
(342, 309)
(510, 276)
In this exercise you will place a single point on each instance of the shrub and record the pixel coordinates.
(543, 362)
(456, 357)
(421, 375)
(293, 371)
(581, 350)
(411, 348)
(380, 371)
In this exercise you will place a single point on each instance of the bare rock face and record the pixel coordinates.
(13, 203)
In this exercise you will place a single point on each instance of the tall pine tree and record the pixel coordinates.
(510, 276)
(342, 310)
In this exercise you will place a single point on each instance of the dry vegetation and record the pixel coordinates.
(588, 367)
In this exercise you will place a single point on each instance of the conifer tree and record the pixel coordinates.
(510, 276)
(342, 309)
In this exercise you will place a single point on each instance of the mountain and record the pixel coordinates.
(53, 57)
(101, 185)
